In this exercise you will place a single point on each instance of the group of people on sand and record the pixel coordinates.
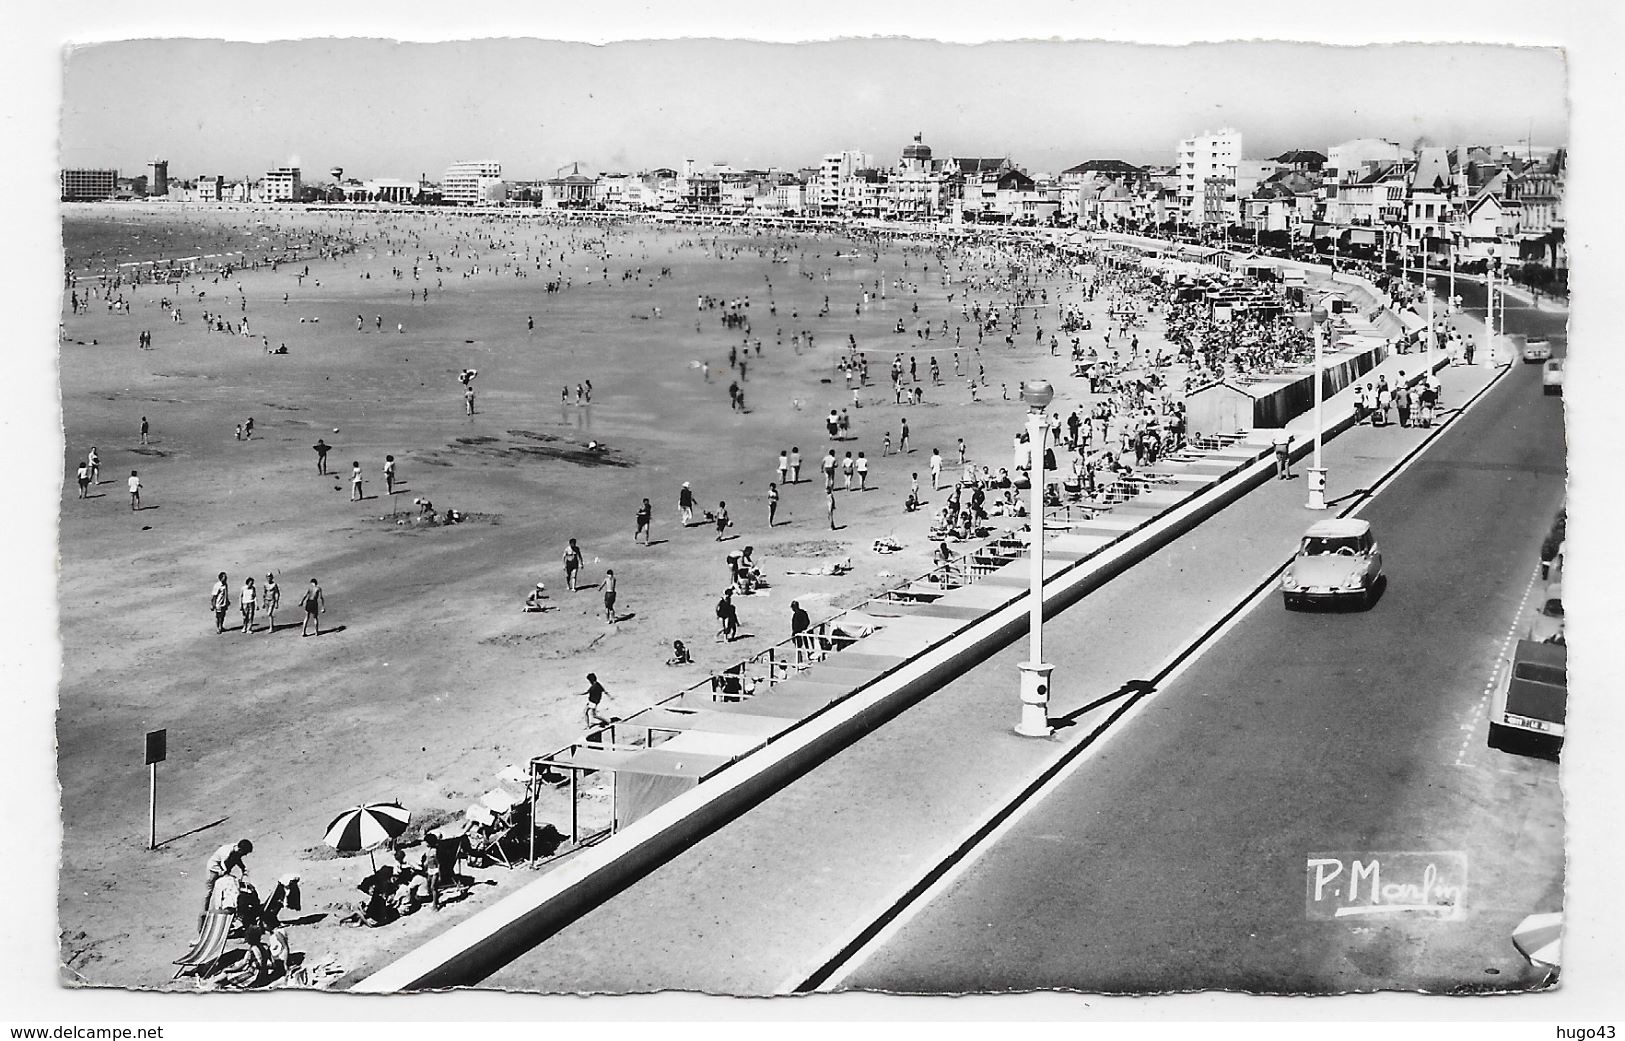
(253, 599)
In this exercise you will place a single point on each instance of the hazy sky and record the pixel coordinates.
(379, 108)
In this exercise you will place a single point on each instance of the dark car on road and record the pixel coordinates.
(1531, 701)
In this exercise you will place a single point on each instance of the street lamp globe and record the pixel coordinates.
(1038, 394)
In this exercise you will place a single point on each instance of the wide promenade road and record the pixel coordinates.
(1176, 859)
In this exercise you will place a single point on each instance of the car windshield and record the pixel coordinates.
(1314, 546)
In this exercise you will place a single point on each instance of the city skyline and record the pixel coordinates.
(316, 103)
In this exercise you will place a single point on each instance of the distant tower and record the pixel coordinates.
(158, 183)
(336, 173)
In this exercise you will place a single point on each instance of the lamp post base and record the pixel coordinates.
(1035, 678)
(1317, 489)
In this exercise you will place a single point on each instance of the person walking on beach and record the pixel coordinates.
(936, 467)
(685, 504)
(135, 490)
(961, 453)
(468, 399)
(847, 466)
(902, 439)
(772, 504)
(314, 602)
(321, 449)
(644, 519)
(355, 480)
(389, 473)
(94, 462)
(784, 466)
(572, 565)
(795, 465)
(607, 587)
(248, 603)
(830, 506)
(727, 615)
(592, 715)
(84, 480)
(722, 519)
(271, 594)
(220, 602)
(145, 429)
(248, 429)
(863, 472)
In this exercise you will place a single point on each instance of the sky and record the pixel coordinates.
(389, 109)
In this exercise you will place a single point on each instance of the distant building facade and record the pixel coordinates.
(89, 185)
(472, 183)
(158, 181)
(1207, 176)
(281, 185)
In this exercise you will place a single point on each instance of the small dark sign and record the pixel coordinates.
(157, 746)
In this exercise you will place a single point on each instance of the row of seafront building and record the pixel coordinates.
(1372, 198)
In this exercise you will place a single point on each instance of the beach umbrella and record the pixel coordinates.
(1539, 938)
(367, 827)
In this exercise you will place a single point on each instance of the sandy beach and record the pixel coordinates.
(427, 678)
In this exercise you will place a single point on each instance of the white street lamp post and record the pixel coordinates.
(1489, 312)
(1315, 320)
(1035, 672)
(1428, 286)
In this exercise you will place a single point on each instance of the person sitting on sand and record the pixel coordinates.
(679, 654)
(253, 969)
(533, 602)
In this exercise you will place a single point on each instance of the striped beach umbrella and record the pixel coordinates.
(366, 827)
(1540, 939)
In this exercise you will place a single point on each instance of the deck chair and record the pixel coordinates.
(204, 957)
(496, 826)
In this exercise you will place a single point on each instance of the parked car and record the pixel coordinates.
(1531, 701)
(1337, 560)
(1551, 378)
(1537, 348)
(1548, 624)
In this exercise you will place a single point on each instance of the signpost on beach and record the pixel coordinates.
(157, 752)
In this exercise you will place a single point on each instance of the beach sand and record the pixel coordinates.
(428, 679)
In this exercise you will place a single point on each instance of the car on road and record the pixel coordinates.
(1337, 561)
(1531, 701)
(1548, 624)
(1551, 377)
(1537, 348)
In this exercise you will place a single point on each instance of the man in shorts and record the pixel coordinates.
(572, 564)
(608, 587)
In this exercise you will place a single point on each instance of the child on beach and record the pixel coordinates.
(248, 603)
(135, 490)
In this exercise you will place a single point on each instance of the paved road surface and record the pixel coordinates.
(1176, 858)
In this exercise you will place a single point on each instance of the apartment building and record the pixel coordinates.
(1206, 164)
(473, 182)
(88, 185)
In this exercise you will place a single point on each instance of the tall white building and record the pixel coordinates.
(280, 185)
(1205, 162)
(472, 182)
(834, 173)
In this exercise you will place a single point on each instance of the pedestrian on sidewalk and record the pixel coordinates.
(1385, 398)
(1402, 400)
(1283, 456)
